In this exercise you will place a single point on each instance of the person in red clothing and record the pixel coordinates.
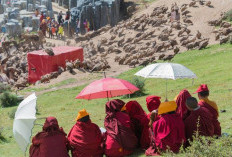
(51, 141)
(181, 103)
(120, 139)
(140, 122)
(153, 103)
(203, 94)
(41, 17)
(85, 138)
(168, 130)
(200, 119)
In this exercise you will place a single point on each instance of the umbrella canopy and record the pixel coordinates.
(24, 121)
(167, 71)
(107, 88)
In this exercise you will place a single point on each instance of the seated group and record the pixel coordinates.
(168, 126)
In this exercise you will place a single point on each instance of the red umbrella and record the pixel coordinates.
(107, 88)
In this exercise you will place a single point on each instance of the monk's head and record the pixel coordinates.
(191, 103)
(83, 116)
(51, 124)
(114, 106)
(153, 103)
(133, 108)
(202, 91)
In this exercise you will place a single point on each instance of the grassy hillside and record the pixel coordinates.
(212, 66)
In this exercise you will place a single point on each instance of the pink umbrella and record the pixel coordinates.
(107, 88)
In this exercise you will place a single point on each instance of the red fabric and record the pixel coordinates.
(203, 117)
(140, 123)
(181, 103)
(217, 127)
(41, 18)
(169, 132)
(202, 88)
(40, 63)
(118, 127)
(85, 139)
(107, 88)
(153, 103)
(50, 142)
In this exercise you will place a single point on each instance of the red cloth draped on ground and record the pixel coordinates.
(120, 138)
(140, 122)
(203, 117)
(50, 142)
(168, 131)
(181, 103)
(85, 139)
(212, 107)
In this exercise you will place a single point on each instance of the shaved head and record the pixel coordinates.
(191, 103)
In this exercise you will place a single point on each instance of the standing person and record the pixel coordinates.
(200, 119)
(43, 27)
(61, 31)
(181, 103)
(203, 94)
(85, 138)
(41, 17)
(120, 139)
(36, 12)
(168, 130)
(78, 26)
(86, 25)
(49, 142)
(140, 122)
(59, 18)
(68, 14)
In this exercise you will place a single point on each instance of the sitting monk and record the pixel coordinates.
(140, 122)
(51, 141)
(203, 94)
(120, 139)
(200, 119)
(168, 130)
(153, 103)
(85, 137)
(181, 103)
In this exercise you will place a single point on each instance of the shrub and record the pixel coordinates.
(8, 99)
(4, 87)
(229, 15)
(2, 138)
(138, 82)
(11, 114)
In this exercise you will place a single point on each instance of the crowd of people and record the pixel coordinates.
(168, 125)
(55, 27)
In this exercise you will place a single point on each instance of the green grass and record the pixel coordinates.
(212, 66)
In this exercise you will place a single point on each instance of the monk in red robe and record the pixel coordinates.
(153, 103)
(140, 122)
(181, 103)
(51, 141)
(85, 138)
(120, 139)
(200, 119)
(203, 94)
(168, 130)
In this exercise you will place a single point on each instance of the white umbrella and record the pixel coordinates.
(166, 71)
(24, 121)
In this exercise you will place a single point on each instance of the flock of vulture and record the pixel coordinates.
(136, 41)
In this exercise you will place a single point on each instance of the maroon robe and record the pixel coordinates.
(85, 139)
(140, 122)
(168, 131)
(214, 112)
(204, 118)
(50, 142)
(120, 138)
(181, 103)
